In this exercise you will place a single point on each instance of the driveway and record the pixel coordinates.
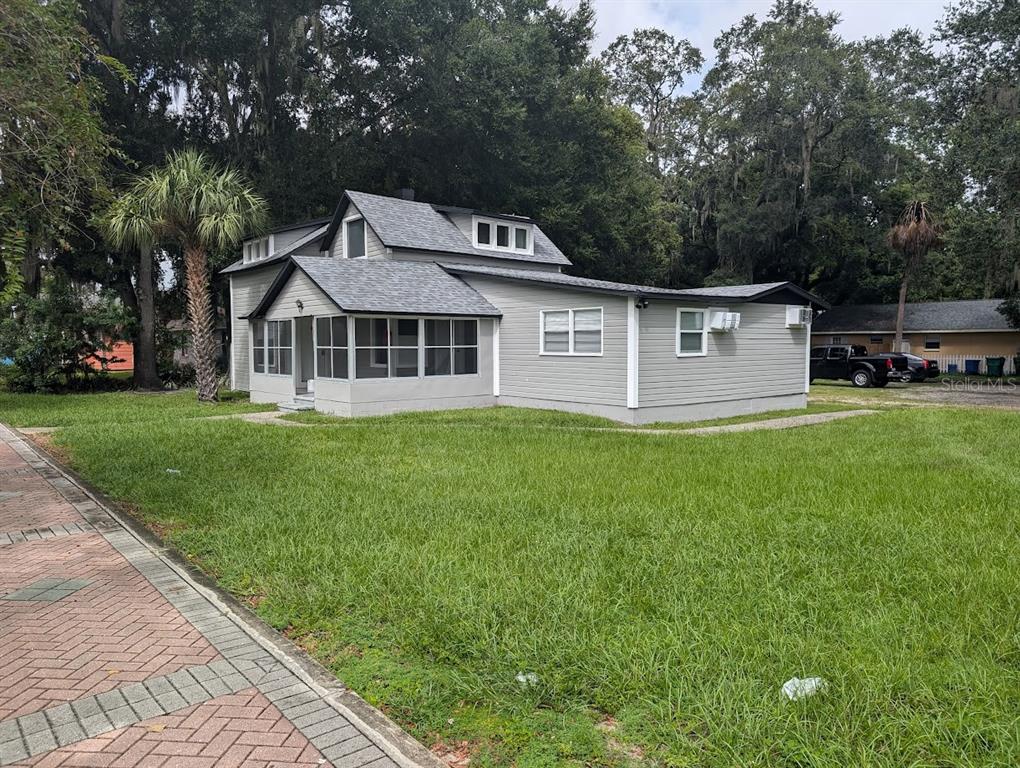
(114, 655)
(968, 392)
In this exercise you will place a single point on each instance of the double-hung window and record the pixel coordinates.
(279, 354)
(451, 347)
(691, 332)
(933, 343)
(571, 332)
(331, 348)
(355, 245)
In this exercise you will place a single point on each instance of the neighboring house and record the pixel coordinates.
(948, 331)
(120, 357)
(181, 333)
(397, 305)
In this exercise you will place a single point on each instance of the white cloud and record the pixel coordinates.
(701, 21)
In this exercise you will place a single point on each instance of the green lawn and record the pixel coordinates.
(670, 583)
(112, 408)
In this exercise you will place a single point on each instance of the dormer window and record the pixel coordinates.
(257, 250)
(355, 245)
(503, 235)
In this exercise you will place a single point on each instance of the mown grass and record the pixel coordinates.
(672, 583)
(30, 410)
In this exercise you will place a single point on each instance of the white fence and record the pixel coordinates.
(960, 361)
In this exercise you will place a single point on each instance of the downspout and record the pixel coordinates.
(807, 356)
(495, 356)
(633, 328)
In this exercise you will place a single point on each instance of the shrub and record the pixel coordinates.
(48, 338)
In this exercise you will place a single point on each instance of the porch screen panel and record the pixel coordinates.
(331, 348)
(258, 346)
(371, 348)
(279, 347)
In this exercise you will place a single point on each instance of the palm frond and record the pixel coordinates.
(916, 231)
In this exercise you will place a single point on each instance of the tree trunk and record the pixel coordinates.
(146, 372)
(900, 311)
(200, 318)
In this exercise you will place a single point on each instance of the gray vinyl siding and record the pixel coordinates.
(300, 288)
(762, 359)
(457, 258)
(374, 247)
(526, 374)
(246, 290)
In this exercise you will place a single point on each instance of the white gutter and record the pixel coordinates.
(495, 356)
(633, 328)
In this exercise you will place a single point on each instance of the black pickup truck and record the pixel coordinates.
(853, 363)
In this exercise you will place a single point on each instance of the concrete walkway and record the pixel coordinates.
(787, 422)
(113, 654)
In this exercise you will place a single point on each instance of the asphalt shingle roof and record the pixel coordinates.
(928, 316)
(375, 285)
(732, 292)
(280, 255)
(413, 225)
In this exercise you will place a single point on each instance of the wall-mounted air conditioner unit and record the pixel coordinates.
(724, 321)
(798, 317)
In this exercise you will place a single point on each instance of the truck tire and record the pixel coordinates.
(861, 378)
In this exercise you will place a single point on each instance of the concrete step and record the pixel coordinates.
(297, 404)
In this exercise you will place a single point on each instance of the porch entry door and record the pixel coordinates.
(305, 352)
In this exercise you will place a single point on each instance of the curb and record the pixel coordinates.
(395, 741)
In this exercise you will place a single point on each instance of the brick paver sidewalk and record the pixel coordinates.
(111, 656)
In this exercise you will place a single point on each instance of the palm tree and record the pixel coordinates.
(914, 234)
(200, 206)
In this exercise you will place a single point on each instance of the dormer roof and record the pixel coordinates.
(418, 226)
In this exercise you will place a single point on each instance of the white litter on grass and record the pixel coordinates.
(795, 688)
(527, 678)
(173, 471)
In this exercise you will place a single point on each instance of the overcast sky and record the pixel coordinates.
(700, 21)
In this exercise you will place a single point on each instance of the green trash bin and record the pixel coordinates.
(995, 365)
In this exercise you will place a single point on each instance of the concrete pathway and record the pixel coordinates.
(112, 654)
(787, 422)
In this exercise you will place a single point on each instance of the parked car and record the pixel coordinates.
(852, 363)
(919, 369)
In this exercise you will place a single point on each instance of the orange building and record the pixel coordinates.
(120, 357)
(951, 332)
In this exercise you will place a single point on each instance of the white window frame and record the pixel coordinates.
(570, 332)
(332, 346)
(836, 340)
(937, 338)
(453, 346)
(512, 226)
(704, 331)
(347, 250)
(265, 350)
(352, 369)
(254, 347)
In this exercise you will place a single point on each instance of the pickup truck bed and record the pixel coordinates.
(852, 363)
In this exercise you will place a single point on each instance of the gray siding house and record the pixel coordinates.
(394, 305)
